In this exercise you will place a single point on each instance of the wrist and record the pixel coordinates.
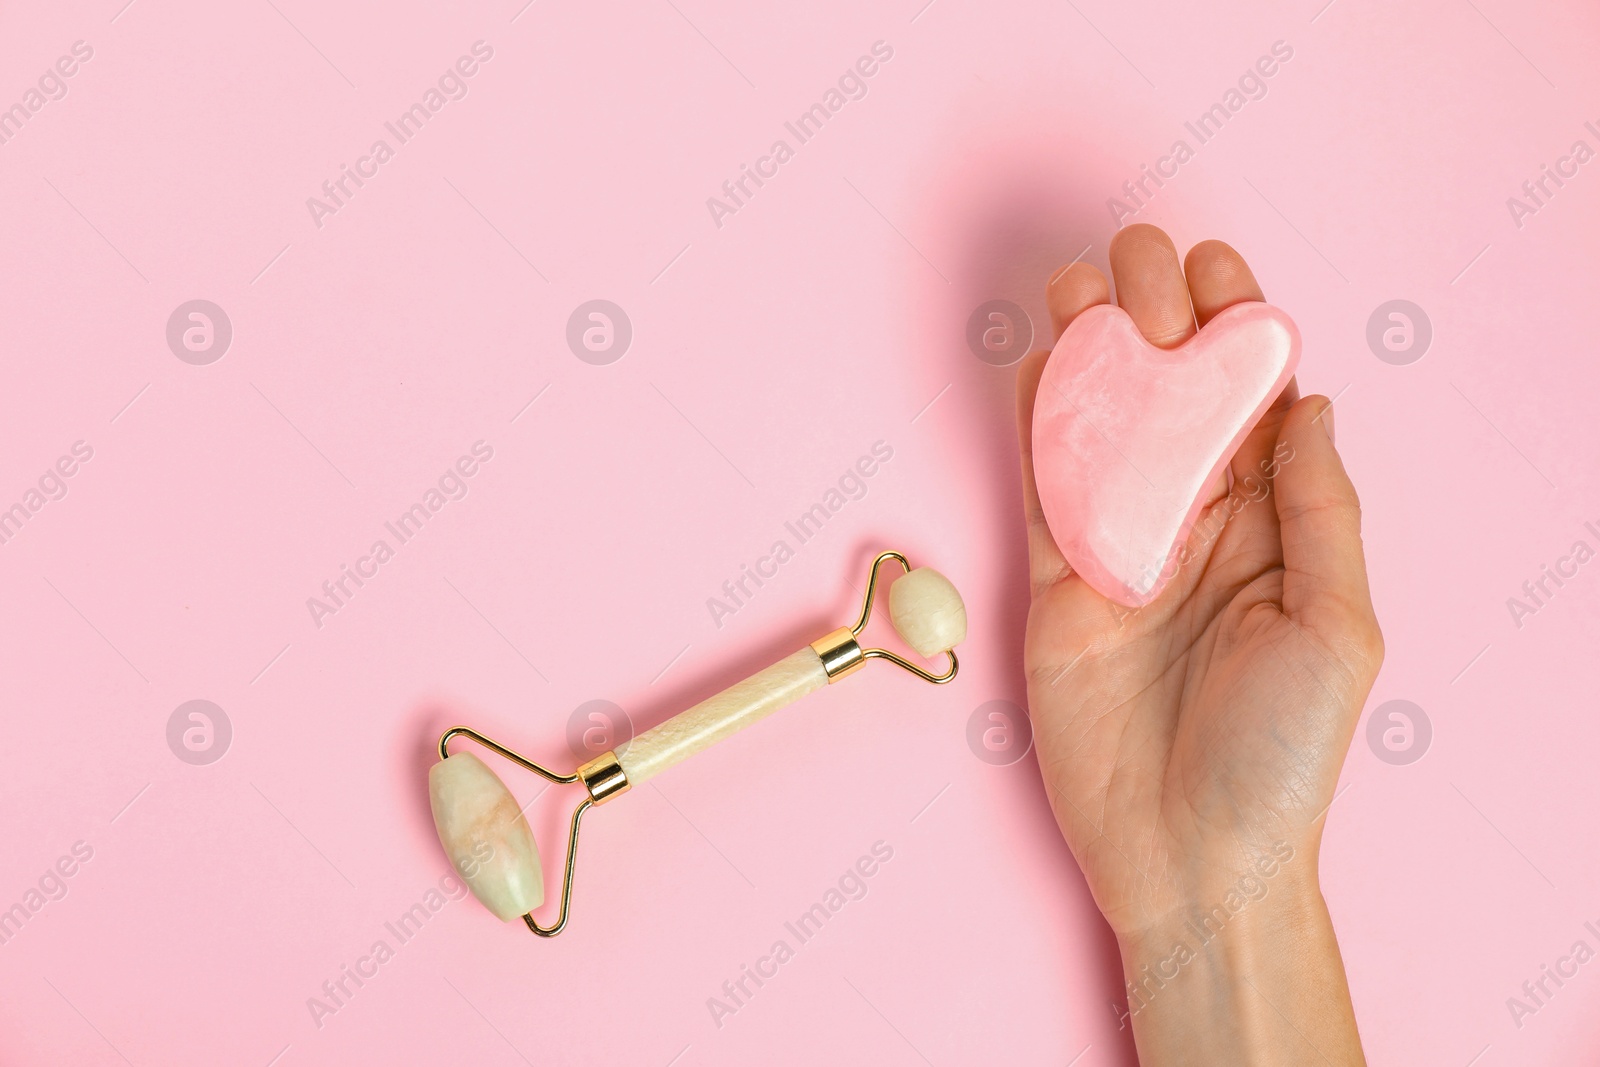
(1242, 971)
(1244, 928)
(1213, 889)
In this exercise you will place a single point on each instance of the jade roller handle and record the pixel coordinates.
(926, 611)
(695, 729)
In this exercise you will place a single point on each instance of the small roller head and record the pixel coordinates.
(927, 612)
(485, 836)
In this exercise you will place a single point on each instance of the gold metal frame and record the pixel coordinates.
(884, 653)
(603, 777)
(558, 779)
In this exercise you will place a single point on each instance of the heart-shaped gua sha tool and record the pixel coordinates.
(1128, 437)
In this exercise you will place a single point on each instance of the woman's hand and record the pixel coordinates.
(1191, 747)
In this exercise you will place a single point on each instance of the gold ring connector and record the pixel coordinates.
(840, 653)
(604, 777)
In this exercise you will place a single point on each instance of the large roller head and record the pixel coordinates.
(927, 612)
(485, 836)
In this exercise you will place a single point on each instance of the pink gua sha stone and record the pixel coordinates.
(1128, 437)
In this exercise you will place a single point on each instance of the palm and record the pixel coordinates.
(1179, 740)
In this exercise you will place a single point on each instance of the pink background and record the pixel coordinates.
(768, 354)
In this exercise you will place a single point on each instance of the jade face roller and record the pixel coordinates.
(483, 830)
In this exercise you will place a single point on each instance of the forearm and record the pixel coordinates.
(1261, 985)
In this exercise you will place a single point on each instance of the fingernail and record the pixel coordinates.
(1327, 422)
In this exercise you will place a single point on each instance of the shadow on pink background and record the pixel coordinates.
(771, 349)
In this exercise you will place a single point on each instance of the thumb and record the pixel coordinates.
(1325, 571)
